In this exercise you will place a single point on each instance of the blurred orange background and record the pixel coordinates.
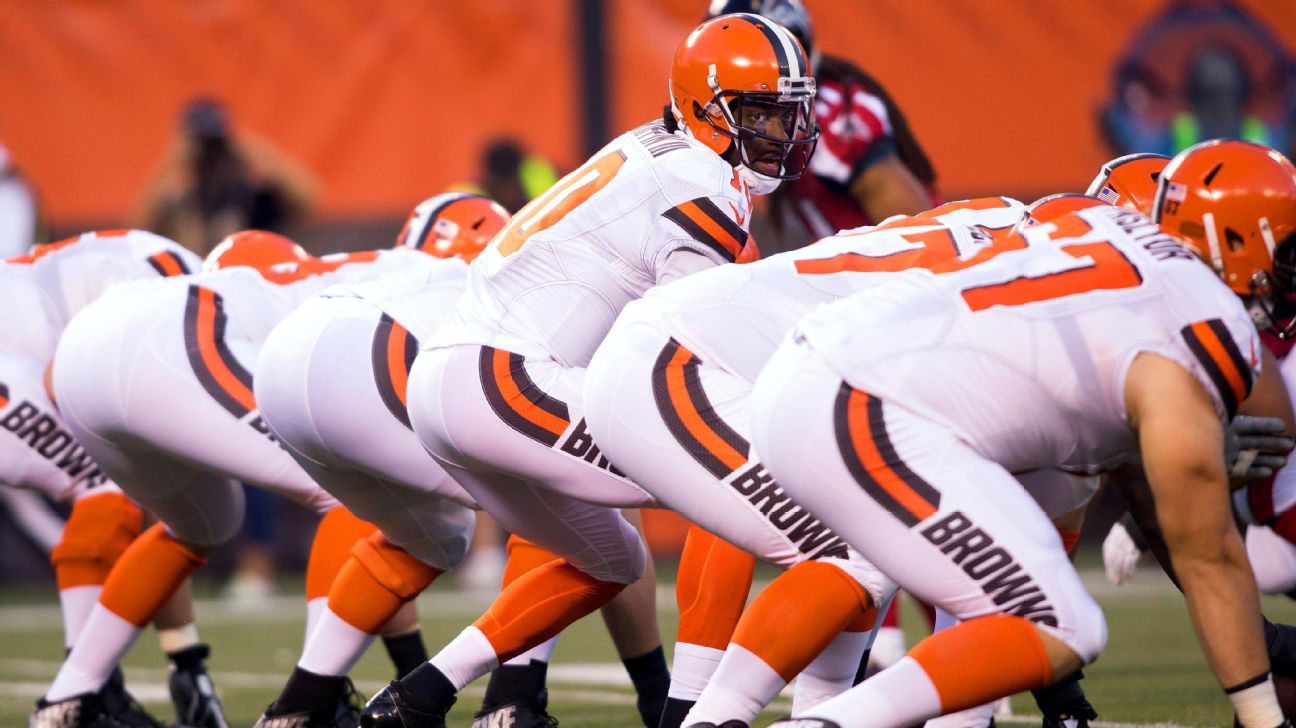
(388, 101)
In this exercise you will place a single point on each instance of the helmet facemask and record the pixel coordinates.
(1270, 302)
(773, 134)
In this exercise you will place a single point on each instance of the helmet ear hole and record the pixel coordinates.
(1234, 239)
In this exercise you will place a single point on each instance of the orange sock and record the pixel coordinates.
(711, 589)
(146, 575)
(799, 613)
(982, 659)
(375, 582)
(540, 604)
(338, 531)
(1069, 540)
(523, 556)
(98, 531)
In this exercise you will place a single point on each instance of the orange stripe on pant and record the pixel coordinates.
(516, 400)
(870, 457)
(689, 416)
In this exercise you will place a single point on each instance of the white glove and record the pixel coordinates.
(1120, 554)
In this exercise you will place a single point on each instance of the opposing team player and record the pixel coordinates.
(496, 394)
(899, 414)
(39, 294)
(153, 379)
(667, 399)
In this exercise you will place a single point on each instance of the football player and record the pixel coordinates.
(39, 293)
(495, 394)
(897, 415)
(153, 379)
(869, 165)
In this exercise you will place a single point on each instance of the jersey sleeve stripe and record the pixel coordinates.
(168, 264)
(213, 363)
(872, 460)
(392, 355)
(4, 396)
(1211, 343)
(689, 415)
(705, 223)
(517, 400)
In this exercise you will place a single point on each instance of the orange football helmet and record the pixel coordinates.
(1048, 209)
(275, 257)
(453, 225)
(1235, 203)
(1129, 181)
(741, 85)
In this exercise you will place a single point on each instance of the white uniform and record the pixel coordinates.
(331, 383)
(496, 393)
(668, 389)
(155, 379)
(953, 381)
(39, 294)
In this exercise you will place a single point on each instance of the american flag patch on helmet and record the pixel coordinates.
(1108, 195)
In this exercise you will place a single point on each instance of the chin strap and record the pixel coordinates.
(759, 184)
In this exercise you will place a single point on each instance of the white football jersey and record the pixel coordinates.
(39, 293)
(1025, 355)
(555, 278)
(418, 297)
(734, 317)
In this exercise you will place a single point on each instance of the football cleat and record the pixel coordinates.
(1069, 721)
(107, 708)
(805, 723)
(391, 708)
(345, 713)
(193, 694)
(735, 724)
(519, 714)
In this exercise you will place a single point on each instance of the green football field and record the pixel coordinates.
(1152, 672)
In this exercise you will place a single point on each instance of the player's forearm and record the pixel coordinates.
(1224, 605)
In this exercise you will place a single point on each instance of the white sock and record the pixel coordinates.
(900, 695)
(978, 717)
(540, 653)
(76, 604)
(831, 673)
(314, 608)
(691, 670)
(106, 638)
(334, 646)
(466, 658)
(179, 638)
(740, 689)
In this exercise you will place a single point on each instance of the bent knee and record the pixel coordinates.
(1087, 635)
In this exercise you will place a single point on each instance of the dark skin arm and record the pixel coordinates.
(887, 188)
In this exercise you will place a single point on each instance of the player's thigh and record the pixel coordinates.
(950, 526)
(595, 539)
(331, 384)
(486, 409)
(678, 427)
(37, 450)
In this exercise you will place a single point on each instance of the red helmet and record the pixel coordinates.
(453, 225)
(741, 85)
(1235, 203)
(275, 257)
(1129, 181)
(1048, 209)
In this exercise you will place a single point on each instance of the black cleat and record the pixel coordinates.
(192, 692)
(345, 713)
(105, 709)
(519, 714)
(804, 723)
(1069, 721)
(740, 724)
(391, 708)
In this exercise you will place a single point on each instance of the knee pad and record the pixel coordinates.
(99, 530)
(393, 567)
(878, 585)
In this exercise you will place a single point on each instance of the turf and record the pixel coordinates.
(1152, 671)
